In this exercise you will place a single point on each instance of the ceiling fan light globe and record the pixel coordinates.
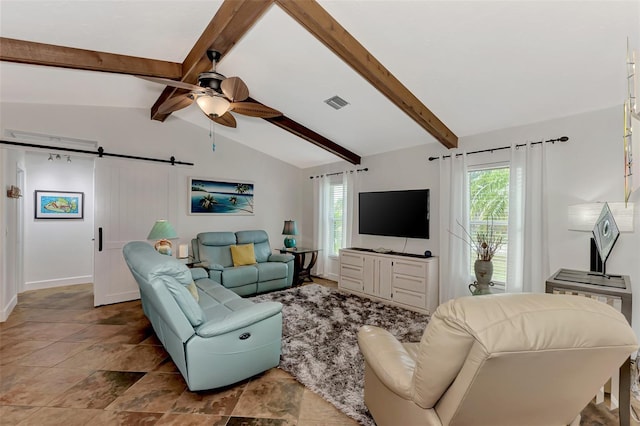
(213, 106)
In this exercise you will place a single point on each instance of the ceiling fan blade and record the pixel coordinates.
(225, 119)
(174, 83)
(176, 103)
(234, 89)
(254, 109)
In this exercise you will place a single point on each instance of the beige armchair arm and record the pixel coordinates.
(388, 359)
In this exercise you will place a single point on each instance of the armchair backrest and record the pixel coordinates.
(489, 359)
(213, 247)
(260, 240)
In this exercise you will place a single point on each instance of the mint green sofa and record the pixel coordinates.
(216, 341)
(273, 271)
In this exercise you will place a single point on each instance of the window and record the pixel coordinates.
(336, 225)
(489, 209)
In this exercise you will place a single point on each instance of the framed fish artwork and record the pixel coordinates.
(59, 205)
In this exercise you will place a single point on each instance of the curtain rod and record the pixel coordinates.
(366, 169)
(560, 139)
(100, 153)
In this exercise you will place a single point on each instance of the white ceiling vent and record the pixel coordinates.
(336, 102)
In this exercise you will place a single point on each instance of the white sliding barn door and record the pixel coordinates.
(129, 197)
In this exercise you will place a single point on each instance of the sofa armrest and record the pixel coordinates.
(210, 266)
(199, 273)
(280, 257)
(225, 323)
(388, 359)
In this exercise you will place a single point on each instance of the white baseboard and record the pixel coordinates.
(6, 310)
(58, 282)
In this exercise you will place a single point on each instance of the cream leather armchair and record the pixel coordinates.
(513, 359)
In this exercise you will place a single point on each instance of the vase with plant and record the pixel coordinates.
(486, 244)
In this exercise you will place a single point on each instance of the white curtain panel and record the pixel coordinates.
(321, 190)
(454, 214)
(350, 188)
(527, 257)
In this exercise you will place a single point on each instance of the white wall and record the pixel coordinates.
(10, 251)
(58, 252)
(130, 131)
(588, 168)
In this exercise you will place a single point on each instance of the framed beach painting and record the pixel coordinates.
(220, 197)
(59, 205)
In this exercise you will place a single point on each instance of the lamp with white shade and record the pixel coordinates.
(582, 217)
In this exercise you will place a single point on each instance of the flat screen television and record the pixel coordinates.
(394, 213)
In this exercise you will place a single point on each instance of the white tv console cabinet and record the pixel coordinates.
(406, 280)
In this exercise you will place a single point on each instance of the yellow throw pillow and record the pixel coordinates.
(193, 290)
(243, 255)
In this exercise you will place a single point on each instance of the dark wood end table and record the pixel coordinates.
(300, 271)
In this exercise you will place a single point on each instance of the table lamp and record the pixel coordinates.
(162, 231)
(290, 228)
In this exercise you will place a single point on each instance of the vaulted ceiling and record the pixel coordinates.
(413, 72)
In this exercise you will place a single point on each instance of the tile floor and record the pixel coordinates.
(64, 362)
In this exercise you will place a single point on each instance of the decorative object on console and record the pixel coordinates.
(183, 251)
(162, 231)
(605, 233)
(59, 205)
(290, 229)
(583, 217)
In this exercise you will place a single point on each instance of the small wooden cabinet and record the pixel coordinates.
(409, 281)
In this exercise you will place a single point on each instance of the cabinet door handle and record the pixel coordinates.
(100, 239)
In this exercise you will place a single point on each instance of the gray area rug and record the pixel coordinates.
(319, 342)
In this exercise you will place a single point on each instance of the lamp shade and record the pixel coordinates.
(213, 106)
(290, 228)
(162, 230)
(582, 217)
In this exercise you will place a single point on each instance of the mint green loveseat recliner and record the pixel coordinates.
(272, 271)
(215, 341)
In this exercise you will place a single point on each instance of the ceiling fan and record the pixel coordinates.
(216, 95)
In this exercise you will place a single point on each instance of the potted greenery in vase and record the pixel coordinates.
(486, 244)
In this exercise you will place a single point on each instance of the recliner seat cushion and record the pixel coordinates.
(271, 271)
(239, 276)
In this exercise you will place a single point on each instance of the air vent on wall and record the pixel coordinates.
(336, 102)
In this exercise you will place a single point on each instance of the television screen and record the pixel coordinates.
(394, 213)
(605, 232)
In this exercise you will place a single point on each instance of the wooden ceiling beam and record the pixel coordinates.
(325, 28)
(28, 52)
(291, 126)
(230, 23)
(318, 140)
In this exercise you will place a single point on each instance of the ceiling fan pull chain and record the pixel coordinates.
(212, 135)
